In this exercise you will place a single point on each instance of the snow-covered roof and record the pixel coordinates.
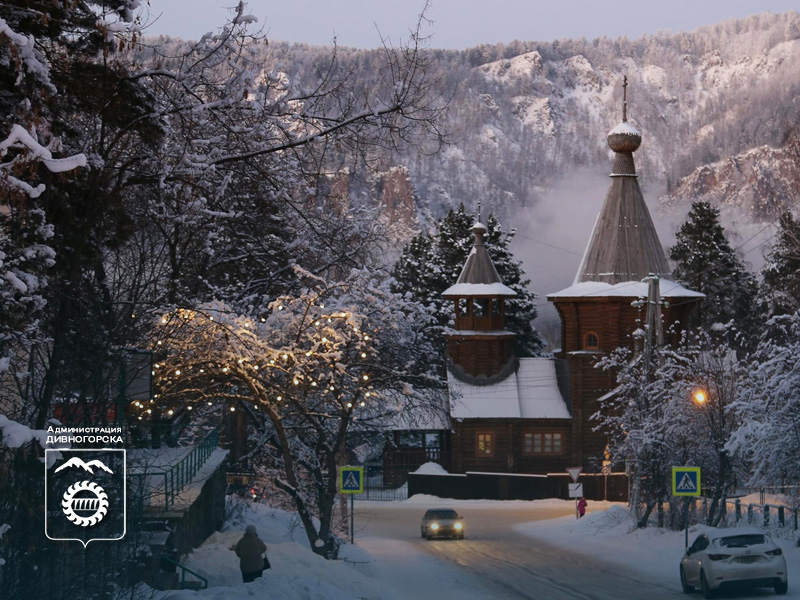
(478, 276)
(625, 289)
(625, 128)
(531, 392)
(479, 289)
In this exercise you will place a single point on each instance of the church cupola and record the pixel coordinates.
(479, 348)
(601, 310)
(624, 245)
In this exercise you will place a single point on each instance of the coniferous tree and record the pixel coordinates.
(781, 271)
(707, 263)
(431, 263)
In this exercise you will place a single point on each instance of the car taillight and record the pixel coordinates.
(718, 556)
(776, 552)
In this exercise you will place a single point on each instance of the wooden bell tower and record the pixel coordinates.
(479, 349)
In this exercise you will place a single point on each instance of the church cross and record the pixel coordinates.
(625, 98)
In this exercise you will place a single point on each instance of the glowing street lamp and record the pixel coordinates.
(699, 397)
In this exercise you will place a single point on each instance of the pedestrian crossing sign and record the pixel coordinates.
(351, 480)
(685, 481)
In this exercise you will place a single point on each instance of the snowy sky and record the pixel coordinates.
(456, 23)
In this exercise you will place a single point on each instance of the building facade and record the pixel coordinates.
(533, 415)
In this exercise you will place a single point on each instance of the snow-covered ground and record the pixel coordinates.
(369, 568)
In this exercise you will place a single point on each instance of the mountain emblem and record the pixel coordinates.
(85, 495)
(77, 462)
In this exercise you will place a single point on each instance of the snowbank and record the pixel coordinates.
(297, 573)
(431, 468)
(608, 531)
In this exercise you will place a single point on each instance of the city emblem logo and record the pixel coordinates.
(85, 495)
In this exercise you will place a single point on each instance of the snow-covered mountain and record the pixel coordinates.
(524, 117)
(762, 182)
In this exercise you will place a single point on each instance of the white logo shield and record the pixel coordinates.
(85, 495)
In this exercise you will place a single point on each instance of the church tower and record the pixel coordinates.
(601, 310)
(480, 348)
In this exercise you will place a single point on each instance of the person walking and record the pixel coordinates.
(581, 507)
(250, 550)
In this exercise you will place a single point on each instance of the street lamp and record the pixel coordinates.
(699, 396)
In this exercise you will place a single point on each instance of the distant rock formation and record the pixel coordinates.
(762, 182)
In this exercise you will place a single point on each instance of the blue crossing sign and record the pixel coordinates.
(685, 481)
(351, 480)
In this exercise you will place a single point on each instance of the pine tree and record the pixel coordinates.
(520, 311)
(706, 262)
(781, 271)
(431, 263)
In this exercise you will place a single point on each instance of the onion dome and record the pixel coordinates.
(624, 138)
(624, 245)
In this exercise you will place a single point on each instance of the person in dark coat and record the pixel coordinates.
(581, 507)
(250, 550)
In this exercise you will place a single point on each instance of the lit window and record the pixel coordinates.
(543, 443)
(591, 341)
(485, 446)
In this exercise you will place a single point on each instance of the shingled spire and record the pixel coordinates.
(479, 278)
(624, 245)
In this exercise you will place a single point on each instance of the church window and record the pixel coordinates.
(591, 341)
(485, 444)
(543, 443)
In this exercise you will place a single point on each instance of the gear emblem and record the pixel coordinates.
(85, 503)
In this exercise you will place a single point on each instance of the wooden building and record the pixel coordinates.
(603, 307)
(507, 414)
(533, 415)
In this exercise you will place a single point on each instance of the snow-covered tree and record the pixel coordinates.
(681, 410)
(647, 427)
(781, 271)
(430, 263)
(334, 360)
(706, 262)
(769, 414)
(714, 381)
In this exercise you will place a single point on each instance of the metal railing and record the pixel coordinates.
(181, 474)
(203, 581)
(765, 510)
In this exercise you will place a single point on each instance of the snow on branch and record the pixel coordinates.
(24, 47)
(16, 434)
(20, 138)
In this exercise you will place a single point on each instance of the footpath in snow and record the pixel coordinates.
(369, 568)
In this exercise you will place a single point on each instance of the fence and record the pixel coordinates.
(379, 487)
(507, 486)
(762, 514)
(165, 484)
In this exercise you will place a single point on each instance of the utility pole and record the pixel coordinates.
(654, 328)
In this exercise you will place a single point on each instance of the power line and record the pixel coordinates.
(527, 237)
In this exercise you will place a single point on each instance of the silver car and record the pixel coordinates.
(442, 522)
(726, 558)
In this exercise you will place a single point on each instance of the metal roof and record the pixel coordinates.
(530, 392)
(478, 276)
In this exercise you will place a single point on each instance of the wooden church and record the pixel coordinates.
(532, 415)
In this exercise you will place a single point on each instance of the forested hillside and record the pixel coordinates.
(522, 116)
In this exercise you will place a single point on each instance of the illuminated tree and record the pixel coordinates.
(336, 359)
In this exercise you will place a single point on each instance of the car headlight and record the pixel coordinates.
(434, 526)
(459, 527)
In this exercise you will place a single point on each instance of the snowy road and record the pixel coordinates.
(494, 561)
